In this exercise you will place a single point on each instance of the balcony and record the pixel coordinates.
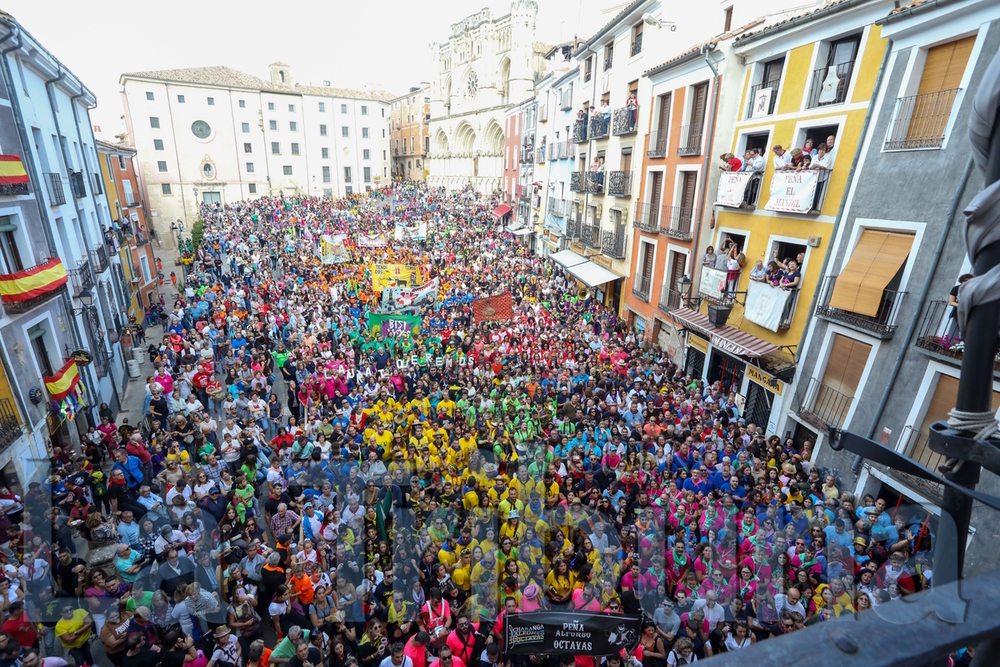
(81, 277)
(919, 121)
(19, 288)
(98, 186)
(620, 183)
(579, 131)
(527, 156)
(595, 182)
(641, 288)
(636, 45)
(608, 62)
(824, 406)
(773, 85)
(657, 143)
(625, 121)
(647, 217)
(820, 98)
(675, 222)
(525, 193)
(599, 126)
(576, 181)
(882, 324)
(557, 207)
(540, 155)
(690, 141)
(590, 236)
(613, 243)
(53, 183)
(99, 256)
(78, 184)
(565, 101)
(939, 337)
(10, 425)
(670, 299)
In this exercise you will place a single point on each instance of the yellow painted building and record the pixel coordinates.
(806, 79)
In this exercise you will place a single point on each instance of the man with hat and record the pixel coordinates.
(227, 650)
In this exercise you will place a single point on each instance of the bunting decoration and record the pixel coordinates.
(493, 308)
(36, 282)
(13, 177)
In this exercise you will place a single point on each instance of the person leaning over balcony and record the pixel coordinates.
(759, 272)
(734, 262)
(782, 158)
(754, 163)
(953, 302)
(605, 116)
(823, 164)
(632, 104)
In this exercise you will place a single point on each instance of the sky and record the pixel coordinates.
(351, 44)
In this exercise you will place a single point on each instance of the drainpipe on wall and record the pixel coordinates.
(706, 50)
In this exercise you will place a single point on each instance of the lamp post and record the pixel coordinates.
(684, 289)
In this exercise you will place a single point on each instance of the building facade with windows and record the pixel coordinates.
(409, 127)
(215, 134)
(809, 81)
(557, 98)
(59, 297)
(882, 355)
(487, 64)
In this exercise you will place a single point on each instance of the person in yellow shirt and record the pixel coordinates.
(549, 491)
(448, 553)
(522, 482)
(380, 435)
(497, 492)
(421, 402)
(462, 573)
(447, 405)
(512, 528)
(74, 630)
(486, 569)
(511, 503)
(560, 582)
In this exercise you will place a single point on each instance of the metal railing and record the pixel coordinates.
(540, 155)
(588, 74)
(556, 207)
(670, 299)
(657, 143)
(525, 193)
(590, 236)
(773, 85)
(10, 425)
(675, 222)
(562, 150)
(86, 276)
(939, 332)
(641, 288)
(637, 45)
(916, 446)
(576, 181)
(599, 125)
(620, 183)
(53, 183)
(789, 312)
(98, 186)
(647, 217)
(625, 121)
(824, 406)
(579, 131)
(690, 140)
(881, 324)
(817, 96)
(919, 121)
(613, 243)
(15, 307)
(608, 62)
(99, 255)
(565, 100)
(78, 184)
(595, 182)
(527, 157)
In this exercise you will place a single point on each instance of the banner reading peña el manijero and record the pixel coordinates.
(556, 632)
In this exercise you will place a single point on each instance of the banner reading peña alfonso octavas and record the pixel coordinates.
(393, 325)
(580, 633)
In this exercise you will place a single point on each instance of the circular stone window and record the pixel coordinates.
(201, 129)
(208, 170)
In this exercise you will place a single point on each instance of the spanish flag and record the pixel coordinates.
(63, 382)
(25, 285)
(13, 177)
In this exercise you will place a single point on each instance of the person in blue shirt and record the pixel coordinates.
(131, 467)
(238, 341)
(838, 534)
(698, 482)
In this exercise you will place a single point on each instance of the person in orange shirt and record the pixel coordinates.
(302, 584)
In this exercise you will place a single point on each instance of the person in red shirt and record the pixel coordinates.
(19, 626)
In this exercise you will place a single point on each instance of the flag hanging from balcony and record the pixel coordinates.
(13, 177)
(36, 282)
(64, 382)
(493, 308)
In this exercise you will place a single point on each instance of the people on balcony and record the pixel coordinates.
(597, 172)
(709, 258)
(730, 162)
(581, 123)
(734, 262)
(823, 163)
(759, 272)
(632, 104)
(605, 117)
(753, 161)
(782, 158)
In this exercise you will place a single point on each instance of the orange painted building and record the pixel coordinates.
(409, 123)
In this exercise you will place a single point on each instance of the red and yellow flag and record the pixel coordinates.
(13, 177)
(25, 285)
(63, 382)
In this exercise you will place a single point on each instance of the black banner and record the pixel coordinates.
(557, 632)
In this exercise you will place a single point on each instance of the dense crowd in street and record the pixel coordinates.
(312, 491)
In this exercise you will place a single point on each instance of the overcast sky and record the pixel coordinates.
(351, 44)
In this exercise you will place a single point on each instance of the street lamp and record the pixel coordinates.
(684, 289)
(86, 298)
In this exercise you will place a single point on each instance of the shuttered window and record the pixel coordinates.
(942, 402)
(873, 265)
(945, 65)
(837, 389)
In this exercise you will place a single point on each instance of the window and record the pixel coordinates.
(728, 23)
(588, 69)
(144, 266)
(154, 122)
(291, 108)
(864, 293)
(343, 108)
(322, 130)
(149, 96)
(831, 81)
(275, 148)
(344, 132)
(295, 149)
(636, 39)
(270, 106)
(180, 99)
(249, 167)
(9, 247)
(348, 190)
(326, 174)
(830, 397)
(293, 126)
(287, 170)
(325, 153)
(347, 174)
(243, 104)
(364, 133)
(158, 144)
(161, 166)
(36, 335)
(248, 148)
(609, 56)
(208, 170)
(165, 188)
(245, 127)
(252, 188)
(920, 120)
(691, 134)
(364, 110)
(211, 101)
(384, 155)
(273, 125)
(368, 174)
(366, 154)
(764, 95)
(322, 107)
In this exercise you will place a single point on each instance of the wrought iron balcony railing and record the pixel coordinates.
(10, 425)
(53, 183)
(620, 183)
(625, 121)
(590, 236)
(919, 121)
(599, 126)
(99, 255)
(595, 182)
(637, 45)
(579, 131)
(556, 207)
(676, 222)
(613, 243)
(647, 217)
(641, 288)
(576, 181)
(657, 143)
(819, 97)
(881, 324)
(670, 299)
(690, 140)
(824, 406)
(767, 111)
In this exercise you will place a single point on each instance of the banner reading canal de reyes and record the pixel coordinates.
(394, 275)
(765, 304)
(732, 188)
(792, 191)
(580, 633)
(393, 326)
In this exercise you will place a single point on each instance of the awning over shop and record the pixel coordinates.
(728, 339)
(593, 275)
(501, 210)
(568, 258)
(513, 227)
(523, 231)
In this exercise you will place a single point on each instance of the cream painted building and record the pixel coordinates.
(215, 134)
(487, 64)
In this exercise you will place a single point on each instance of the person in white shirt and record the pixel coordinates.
(782, 158)
(789, 602)
(715, 613)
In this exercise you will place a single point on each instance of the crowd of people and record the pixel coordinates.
(305, 490)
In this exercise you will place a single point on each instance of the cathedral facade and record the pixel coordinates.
(487, 65)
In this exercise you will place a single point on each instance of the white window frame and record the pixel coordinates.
(849, 95)
(756, 74)
(721, 231)
(638, 269)
(861, 224)
(824, 357)
(678, 182)
(681, 250)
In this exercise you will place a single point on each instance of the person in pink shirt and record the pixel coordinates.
(529, 599)
(163, 379)
(585, 599)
